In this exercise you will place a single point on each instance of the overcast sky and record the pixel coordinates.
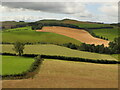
(106, 12)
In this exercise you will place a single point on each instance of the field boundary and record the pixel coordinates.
(67, 58)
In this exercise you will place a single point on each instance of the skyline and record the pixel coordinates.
(106, 12)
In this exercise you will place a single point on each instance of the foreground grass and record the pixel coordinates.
(66, 74)
(15, 64)
(48, 49)
(23, 35)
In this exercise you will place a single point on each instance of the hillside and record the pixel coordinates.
(64, 74)
(111, 34)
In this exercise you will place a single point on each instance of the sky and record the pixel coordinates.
(105, 12)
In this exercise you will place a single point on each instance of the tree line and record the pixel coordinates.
(114, 47)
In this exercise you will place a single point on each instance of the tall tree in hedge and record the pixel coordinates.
(18, 48)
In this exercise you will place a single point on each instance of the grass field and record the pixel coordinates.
(33, 37)
(15, 64)
(107, 33)
(58, 50)
(18, 29)
(85, 24)
(117, 56)
(66, 74)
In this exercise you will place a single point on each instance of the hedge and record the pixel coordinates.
(69, 58)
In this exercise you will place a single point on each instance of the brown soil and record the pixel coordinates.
(66, 74)
(77, 34)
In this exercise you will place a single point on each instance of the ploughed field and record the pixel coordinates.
(49, 49)
(68, 74)
(81, 35)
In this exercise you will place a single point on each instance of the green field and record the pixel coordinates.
(15, 64)
(18, 29)
(58, 50)
(107, 33)
(117, 56)
(33, 37)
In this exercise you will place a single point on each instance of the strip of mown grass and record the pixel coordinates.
(49, 49)
(12, 35)
(15, 64)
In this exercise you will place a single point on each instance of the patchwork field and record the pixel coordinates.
(49, 49)
(25, 34)
(81, 35)
(66, 74)
(15, 64)
(111, 34)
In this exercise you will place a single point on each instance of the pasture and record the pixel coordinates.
(67, 74)
(15, 64)
(83, 24)
(78, 34)
(49, 49)
(111, 34)
(25, 35)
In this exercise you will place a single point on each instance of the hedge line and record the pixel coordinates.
(30, 73)
(70, 58)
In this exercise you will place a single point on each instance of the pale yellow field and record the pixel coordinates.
(67, 74)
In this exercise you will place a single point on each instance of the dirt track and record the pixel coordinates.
(78, 34)
(61, 74)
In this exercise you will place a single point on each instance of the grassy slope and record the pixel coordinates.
(57, 50)
(107, 33)
(85, 24)
(66, 74)
(15, 64)
(32, 36)
(117, 56)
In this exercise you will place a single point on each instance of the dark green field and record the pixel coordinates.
(25, 34)
(15, 64)
(111, 34)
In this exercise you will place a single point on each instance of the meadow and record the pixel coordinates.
(48, 49)
(15, 64)
(83, 24)
(25, 34)
(111, 34)
(68, 74)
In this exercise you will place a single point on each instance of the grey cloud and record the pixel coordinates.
(55, 7)
(40, 6)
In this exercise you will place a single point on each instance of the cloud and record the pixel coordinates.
(110, 9)
(54, 7)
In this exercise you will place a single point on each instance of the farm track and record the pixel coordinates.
(77, 34)
(61, 74)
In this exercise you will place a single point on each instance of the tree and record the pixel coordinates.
(18, 48)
